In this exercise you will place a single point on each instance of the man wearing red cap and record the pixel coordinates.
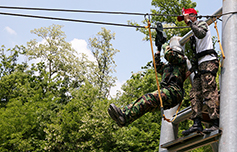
(204, 87)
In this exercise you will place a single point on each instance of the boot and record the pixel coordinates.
(197, 127)
(117, 115)
(215, 126)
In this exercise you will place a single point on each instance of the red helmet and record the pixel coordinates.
(186, 11)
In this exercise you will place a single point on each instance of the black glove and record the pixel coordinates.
(157, 56)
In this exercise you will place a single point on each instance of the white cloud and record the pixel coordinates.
(10, 31)
(116, 88)
(81, 47)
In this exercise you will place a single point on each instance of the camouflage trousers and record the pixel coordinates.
(205, 89)
(171, 96)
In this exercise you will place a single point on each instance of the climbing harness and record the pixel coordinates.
(196, 56)
(206, 52)
(194, 60)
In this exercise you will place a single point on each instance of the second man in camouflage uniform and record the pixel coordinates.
(204, 85)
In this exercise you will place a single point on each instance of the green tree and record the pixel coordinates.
(170, 7)
(104, 53)
(9, 72)
(167, 7)
(61, 59)
(86, 125)
(82, 124)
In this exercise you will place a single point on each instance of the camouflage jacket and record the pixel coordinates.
(174, 72)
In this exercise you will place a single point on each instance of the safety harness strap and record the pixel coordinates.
(207, 52)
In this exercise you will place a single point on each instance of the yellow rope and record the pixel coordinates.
(222, 52)
(157, 81)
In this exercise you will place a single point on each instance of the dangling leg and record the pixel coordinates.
(117, 115)
(171, 96)
(136, 109)
(146, 103)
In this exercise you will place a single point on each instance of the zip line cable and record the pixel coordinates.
(84, 21)
(64, 19)
(107, 12)
(82, 11)
(215, 16)
(96, 22)
(70, 10)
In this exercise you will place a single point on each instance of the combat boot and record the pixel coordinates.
(117, 115)
(197, 127)
(215, 126)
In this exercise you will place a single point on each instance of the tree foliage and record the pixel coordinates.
(104, 53)
(61, 60)
(40, 108)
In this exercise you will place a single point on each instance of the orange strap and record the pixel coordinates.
(157, 81)
(222, 52)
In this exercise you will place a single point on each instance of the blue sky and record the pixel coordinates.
(134, 52)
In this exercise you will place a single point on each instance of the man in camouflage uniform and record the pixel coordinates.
(204, 87)
(173, 76)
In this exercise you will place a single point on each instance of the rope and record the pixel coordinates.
(222, 52)
(157, 81)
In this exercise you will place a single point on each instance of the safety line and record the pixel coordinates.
(83, 11)
(108, 12)
(215, 16)
(154, 63)
(70, 10)
(85, 21)
(222, 52)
